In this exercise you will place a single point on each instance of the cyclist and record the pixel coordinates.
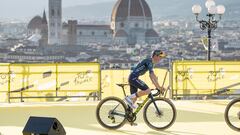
(141, 68)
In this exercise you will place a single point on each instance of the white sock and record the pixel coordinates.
(133, 95)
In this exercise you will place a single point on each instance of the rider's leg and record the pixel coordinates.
(136, 83)
(140, 94)
(144, 92)
(133, 91)
(132, 98)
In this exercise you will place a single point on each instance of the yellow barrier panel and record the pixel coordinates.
(49, 80)
(4, 81)
(193, 78)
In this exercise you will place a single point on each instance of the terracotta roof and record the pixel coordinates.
(125, 8)
(120, 10)
(151, 33)
(136, 8)
(147, 9)
(121, 33)
(35, 23)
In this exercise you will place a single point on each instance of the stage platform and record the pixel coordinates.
(203, 117)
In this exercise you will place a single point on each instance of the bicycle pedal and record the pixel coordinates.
(133, 124)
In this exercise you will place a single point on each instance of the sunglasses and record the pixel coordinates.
(161, 54)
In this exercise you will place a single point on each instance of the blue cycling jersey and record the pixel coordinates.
(143, 66)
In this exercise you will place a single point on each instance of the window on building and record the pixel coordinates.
(52, 12)
(136, 25)
(105, 33)
(121, 24)
(80, 33)
(93, 33)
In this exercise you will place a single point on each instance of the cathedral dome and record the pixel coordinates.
(35, 23)
(128, 8)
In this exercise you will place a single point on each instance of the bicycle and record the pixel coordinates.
(159, 112)
(232, 114)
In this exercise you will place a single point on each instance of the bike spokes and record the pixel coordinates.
(161, 117)
(111, 113)
(232, 115)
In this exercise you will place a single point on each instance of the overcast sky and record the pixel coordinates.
(66, 3)
(26, 9)
(10, 8)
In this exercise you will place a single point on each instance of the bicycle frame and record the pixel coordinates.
(139, 107)
(150, 96)
(144, 102)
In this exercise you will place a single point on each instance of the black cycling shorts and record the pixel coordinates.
(136, 84)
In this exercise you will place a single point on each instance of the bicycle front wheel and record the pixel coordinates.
(232, 114)
(164, 118)
(111, 113)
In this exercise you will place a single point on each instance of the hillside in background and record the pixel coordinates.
(160, 9)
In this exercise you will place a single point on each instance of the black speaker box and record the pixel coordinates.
(43, 126)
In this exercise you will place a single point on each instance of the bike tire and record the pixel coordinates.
(149, 123)
(101, 121)
(226, 114)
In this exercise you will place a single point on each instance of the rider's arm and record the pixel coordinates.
(154, 80)
(152, 76)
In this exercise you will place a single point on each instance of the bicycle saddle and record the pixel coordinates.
(122, 85)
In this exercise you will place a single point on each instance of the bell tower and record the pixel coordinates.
(55, 22)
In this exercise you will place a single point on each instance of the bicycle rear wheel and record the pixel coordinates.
(158, 121)
(232, 114)
(111, 113)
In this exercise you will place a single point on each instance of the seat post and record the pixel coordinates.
(124, 91)
(122, 86)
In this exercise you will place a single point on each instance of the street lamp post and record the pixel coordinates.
(211, 23)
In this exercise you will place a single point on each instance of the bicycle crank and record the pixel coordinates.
(131, 118)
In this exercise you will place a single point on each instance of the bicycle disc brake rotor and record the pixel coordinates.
(159, 115)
